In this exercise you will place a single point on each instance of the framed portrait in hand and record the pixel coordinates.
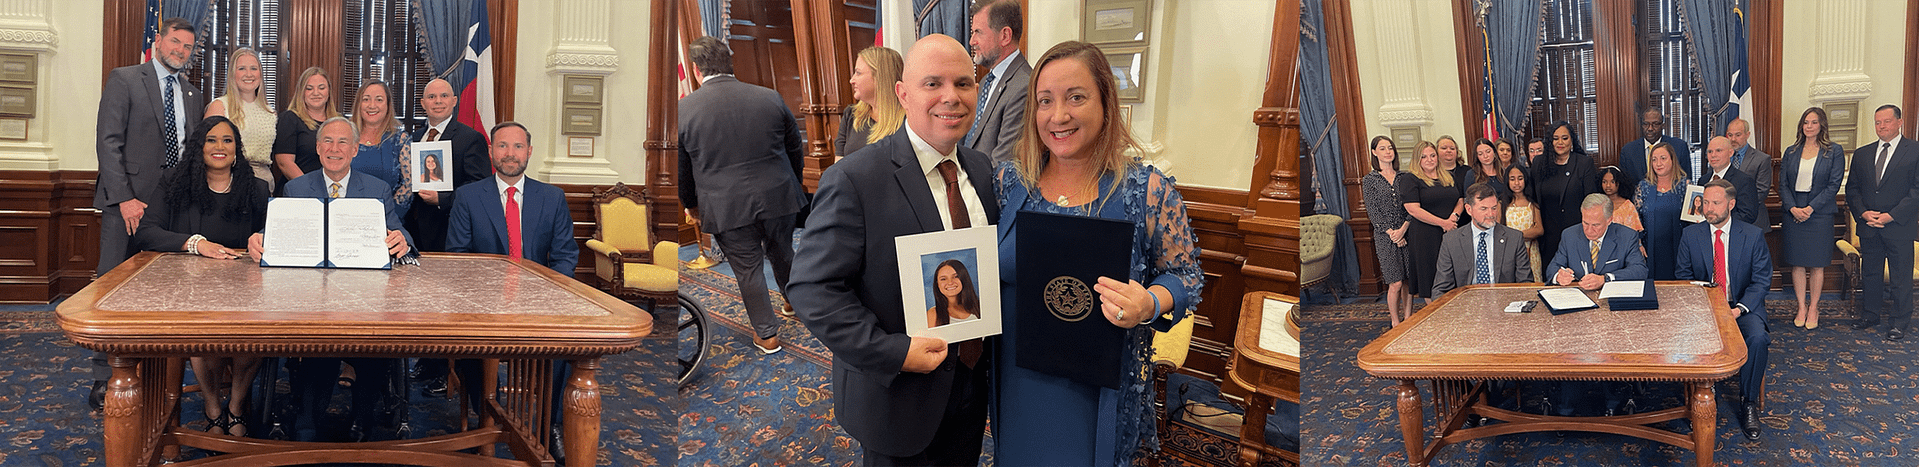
(949, 283)
(431, 169)
(1689, 210)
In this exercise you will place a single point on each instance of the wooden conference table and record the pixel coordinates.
(1465, 338)
(1266, 363)
(154, 310)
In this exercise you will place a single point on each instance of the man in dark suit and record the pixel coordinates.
(314, 377)
(1635, 156)
(1617, 257)
(740, 162)
(909, 400)
(479, 223)
(1591, 254)
(1751, 161)
(468, 160)
(1486, 252)
(1734, 256)
(146, 112)
(1719, 153)
(997, 121)
(514, 215)
(428, 218)
(1885, 205)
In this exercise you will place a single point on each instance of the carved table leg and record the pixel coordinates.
(1412, 421)
(582, 412)
(1705, 422)
(124, 416)
(1252, 429)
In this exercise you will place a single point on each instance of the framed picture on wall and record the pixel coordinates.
(16, 101)
(584, 90)
(1116, 21)
(19, 67)
(1129, 70)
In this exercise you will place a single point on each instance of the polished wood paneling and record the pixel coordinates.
(765, 53)
(49, 239)
(125, 25)
(1621, 86)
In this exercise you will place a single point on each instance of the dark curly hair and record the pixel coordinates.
(186, 184)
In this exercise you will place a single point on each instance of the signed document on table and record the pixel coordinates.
(326, 233)
(1566, 300)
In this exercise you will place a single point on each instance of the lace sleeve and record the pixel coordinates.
(1174, 255)
(403, 191)
(1005, 175)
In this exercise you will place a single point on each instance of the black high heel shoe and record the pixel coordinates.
(226, 422)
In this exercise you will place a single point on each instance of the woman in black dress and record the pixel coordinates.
(1388, 216)
(294, 152)
(211, 200)
(1562, 177)
(1450, 161)
(1809, 176)
(1432, 199)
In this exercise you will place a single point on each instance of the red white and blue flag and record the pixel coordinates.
(1739, 104)
(476, 68)
(153, 28)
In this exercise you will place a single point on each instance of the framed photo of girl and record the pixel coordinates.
(431, 170)
(949, 283)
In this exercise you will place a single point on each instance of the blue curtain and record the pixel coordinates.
(945, 17)
(1514, 31)
(1320, 133)
(1711, 25)
(711, 20)
(194, 11)
(443, 26)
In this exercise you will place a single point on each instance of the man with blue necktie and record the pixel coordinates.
(996, 30)
(1486, 253)
(1734, 256)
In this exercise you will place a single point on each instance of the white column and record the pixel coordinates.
(25, 28)
(581, 46)
(1842, 45)
(1396, 31)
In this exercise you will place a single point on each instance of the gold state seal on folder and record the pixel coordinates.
(1068, 298)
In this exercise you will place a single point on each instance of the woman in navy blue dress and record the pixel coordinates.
(1659, 199)
(385, 152)
(1072, 161)
(1810, 172)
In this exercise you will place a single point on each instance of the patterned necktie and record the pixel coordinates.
(1719, 258)
(1595, 257)
(979, 109)
(1485, 275)
(513, 248)
(432, 134)
(970, 350)
(334, 191)
(169, 129)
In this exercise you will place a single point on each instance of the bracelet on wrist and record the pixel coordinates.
(193, 243)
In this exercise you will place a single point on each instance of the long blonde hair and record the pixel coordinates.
(236, 105)
(1109, 147)
(298, 104)
(885, 114)
(1445, 177)
(359, 118)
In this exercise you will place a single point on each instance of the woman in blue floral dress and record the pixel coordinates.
(1071, 161)
(385, 152)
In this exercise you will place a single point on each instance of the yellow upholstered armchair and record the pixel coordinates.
(627, 262)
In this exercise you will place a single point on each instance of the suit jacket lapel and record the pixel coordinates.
(912, 182)
(496, 214)
(150, 81)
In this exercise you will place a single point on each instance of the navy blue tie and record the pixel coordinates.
(1485, 275)
(168, 128)
(979, 110)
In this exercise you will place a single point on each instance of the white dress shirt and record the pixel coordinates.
(179, 102)
(929, 160)
(519, 196)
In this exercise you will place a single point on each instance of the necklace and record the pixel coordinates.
(222, 190)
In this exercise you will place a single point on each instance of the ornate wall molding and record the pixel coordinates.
(1405, 116)
(32, 39)
(1393, 23)
(582, 63)
(1849, 87)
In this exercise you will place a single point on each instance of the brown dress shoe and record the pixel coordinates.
(768, 346)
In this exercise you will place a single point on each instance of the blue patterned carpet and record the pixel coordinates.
(45, 421)
(748, 409)
(1837, 396)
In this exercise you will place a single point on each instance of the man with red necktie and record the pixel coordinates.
(1733, 255)
(514, 215)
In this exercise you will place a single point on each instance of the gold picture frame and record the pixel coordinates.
(1116, 22)
(588, 90)
(580, 120)
(17, 101)
(1129, 72)
(21, 68)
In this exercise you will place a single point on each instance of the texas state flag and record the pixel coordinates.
(1739, 104)
(476, 67)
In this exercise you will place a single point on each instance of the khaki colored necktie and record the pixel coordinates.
(335, 191)
(1595, 259)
